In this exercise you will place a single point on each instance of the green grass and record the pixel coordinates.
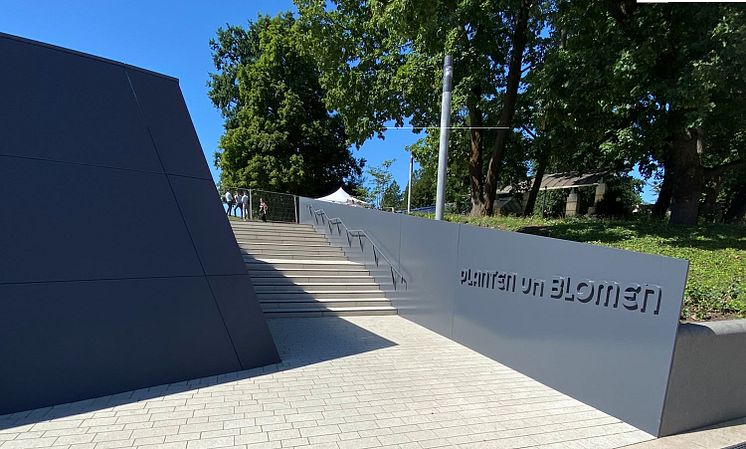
(716, 287)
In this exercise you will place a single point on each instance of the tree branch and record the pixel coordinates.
(720, 169)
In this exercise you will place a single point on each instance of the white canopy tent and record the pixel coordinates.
(342, 197)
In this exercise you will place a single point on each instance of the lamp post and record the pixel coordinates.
(445, 122)
(409, 184)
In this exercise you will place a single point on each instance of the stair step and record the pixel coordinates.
(299, 271)
(327, 302)
(290, 249)
(288, 245)
(312, 312)
(280, 236)
(319, 294)
(309, 279)
(263, 270)
(283, 235)
(303, 258)
(275, 228)
(313, 286)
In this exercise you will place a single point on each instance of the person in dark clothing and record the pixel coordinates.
(263, 208)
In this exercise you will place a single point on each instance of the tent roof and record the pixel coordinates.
(342, 197)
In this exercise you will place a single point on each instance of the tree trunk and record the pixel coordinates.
(707, 209)
(541, 166)
(737, 209)
(475, 157)
(520, 38)
(688, 175)
(664, 196)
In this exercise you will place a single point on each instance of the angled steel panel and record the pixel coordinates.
(168, 121)
(104, 258)
(67, 107)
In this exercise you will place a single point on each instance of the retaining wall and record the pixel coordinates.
(549, 308)
(708, 378)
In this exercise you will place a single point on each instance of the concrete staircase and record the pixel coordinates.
(297, 271)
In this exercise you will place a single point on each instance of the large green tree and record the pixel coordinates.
(660, 85)
(279, 134)
(381, 61)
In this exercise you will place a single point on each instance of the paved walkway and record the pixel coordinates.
(344, 384)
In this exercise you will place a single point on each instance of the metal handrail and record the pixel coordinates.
(359, 233)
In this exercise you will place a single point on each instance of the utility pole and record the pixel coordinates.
(409, 190)
(445, 122)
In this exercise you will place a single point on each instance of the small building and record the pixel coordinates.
(512, 199)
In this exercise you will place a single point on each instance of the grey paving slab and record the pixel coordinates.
(356, 382)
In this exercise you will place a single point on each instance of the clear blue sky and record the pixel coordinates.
(170, 37)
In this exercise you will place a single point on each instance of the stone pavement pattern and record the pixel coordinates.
(344, 383)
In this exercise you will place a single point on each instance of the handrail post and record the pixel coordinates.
(295, 207)
(251, 208)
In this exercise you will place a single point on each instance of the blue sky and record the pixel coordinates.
(170, 37)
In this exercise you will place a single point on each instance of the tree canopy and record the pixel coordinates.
(551, 86)
(279, 134)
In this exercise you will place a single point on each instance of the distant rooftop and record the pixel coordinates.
(566, 180)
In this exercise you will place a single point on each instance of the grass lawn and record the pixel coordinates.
(716, 287)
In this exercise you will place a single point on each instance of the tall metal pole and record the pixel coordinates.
(445, 122)
(409, 193)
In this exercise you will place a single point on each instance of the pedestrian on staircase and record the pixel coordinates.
(263, 209)
(229, 202)
(245, 205)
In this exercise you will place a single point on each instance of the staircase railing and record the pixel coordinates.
(358, 235)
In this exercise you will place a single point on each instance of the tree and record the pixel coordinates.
(381, 181)
(665, 84)
(279, 134)
(381, 61)
(392, 197)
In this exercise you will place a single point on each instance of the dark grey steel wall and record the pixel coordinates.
(617, 359)
(118, 269)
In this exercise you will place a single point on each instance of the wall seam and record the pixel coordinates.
(111, 167)
(183, 219)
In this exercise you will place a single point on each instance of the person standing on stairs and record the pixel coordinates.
(228, 202)
(245, 206)
(263, 208)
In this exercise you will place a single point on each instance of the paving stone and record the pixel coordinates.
(344, 383)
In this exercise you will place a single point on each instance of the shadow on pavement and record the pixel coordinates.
(300, 341)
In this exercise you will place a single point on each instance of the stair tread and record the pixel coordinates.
(299, 309)
(326, 284)
(322, 300)
(332, 284)
(309, 261)
(300, 244)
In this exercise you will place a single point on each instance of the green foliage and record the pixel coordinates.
(392, 197)
(716, 286)
(626, 84)
(381, 181)
(278, 133)
(381, 61)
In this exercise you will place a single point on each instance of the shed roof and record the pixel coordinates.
(566, 180)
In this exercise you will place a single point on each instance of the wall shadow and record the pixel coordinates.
(300, 342)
